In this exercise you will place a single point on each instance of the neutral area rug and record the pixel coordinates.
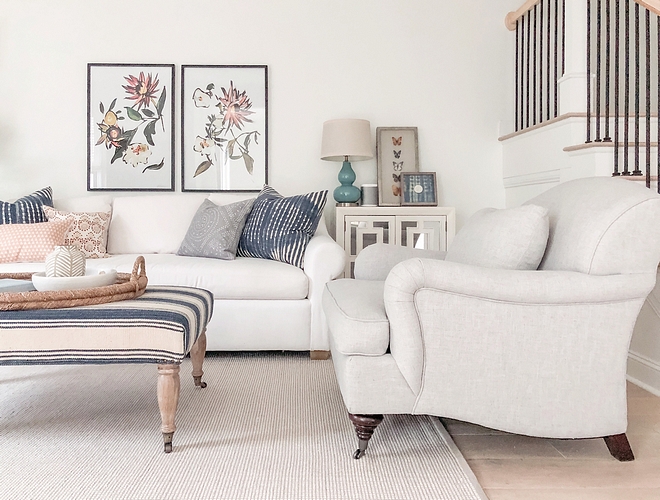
(268, 426)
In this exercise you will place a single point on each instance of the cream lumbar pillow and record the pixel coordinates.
(511, 238)
(30, 242)
(88, 231)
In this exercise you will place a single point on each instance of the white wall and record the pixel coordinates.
(444, 67)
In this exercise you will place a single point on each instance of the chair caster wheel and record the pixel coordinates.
(358, 454)
(168, 447)
(198, 382)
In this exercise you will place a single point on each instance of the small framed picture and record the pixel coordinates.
(396, 152)
(419, 188)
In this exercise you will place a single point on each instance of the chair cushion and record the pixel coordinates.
(279, 228)
(215, 230)
(512, 238)
(356, 316)
(28, 209)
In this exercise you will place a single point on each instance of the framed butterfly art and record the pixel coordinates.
(396, 152)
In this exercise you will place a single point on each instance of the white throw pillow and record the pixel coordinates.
(511, 238)
(151, 224)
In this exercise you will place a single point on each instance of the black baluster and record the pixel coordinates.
(547, 67)
(517, 89)
(648, 97)
(534, 88)
(529, 28)
(540, 62)
(637, 171)
(598, 73)
(556, 82)
(608, 36)
(588, 71)
(616, 86)
(626, 87)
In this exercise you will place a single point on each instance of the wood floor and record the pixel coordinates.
(512, 467)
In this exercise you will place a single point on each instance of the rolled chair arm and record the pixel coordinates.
(376, 261)
(411, 282)
(469, 339)
(324, 261)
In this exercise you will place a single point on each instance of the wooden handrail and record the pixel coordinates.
(512, 17)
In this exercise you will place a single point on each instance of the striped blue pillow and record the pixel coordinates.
(279, 228)
(28, 209)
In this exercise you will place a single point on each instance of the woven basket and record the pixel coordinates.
(128, 286)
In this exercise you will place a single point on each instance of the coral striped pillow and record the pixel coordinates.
(88, 231)
(30, 242)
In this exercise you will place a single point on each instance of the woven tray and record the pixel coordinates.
(128, 286)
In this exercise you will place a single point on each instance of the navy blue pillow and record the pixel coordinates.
(279, 228)
(28, 209)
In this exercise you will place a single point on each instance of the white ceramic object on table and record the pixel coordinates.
(91, 279)
(65, 260)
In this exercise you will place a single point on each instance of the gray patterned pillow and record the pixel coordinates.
(215, 230)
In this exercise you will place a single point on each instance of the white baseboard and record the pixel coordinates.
(644, 372)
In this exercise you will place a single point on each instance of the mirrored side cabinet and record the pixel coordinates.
(430, 228)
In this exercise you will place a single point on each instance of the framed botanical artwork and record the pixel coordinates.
(130, 127)
(396, 152)
(224, 128)
(419, 188)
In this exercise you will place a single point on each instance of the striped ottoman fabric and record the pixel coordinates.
(159, 327)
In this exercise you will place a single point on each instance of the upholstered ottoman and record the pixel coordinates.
(162, 326)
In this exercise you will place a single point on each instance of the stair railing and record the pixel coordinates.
(540, 59)
(610, 59)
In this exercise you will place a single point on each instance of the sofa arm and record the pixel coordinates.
(377, 260)
(324, 261)
(497, 320)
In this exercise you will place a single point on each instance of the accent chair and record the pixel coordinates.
(504, 330)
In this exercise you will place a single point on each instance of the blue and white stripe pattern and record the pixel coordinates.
(159, 327)
(28, 209)
(279, 228)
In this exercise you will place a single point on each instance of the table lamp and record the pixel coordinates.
(346, 140)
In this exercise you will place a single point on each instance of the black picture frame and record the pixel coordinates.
(224, 128)
(419, 189)
(130, 127)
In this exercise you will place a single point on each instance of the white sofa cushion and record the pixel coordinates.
(138, 222)
(512, 238)
(242, 278)
(91, 203)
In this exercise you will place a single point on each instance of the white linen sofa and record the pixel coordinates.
(259, 304)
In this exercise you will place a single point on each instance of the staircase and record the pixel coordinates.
(587, 101)
(587, 94)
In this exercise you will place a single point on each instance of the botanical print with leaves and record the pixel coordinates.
(130, 112)
(224, 128)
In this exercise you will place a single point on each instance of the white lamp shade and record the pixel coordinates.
(346, 137)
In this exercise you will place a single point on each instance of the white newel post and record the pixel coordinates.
(573, 85)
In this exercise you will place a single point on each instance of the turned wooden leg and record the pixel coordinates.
(168, 399)
(619, 447)
(197, 353)
(365, 425)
